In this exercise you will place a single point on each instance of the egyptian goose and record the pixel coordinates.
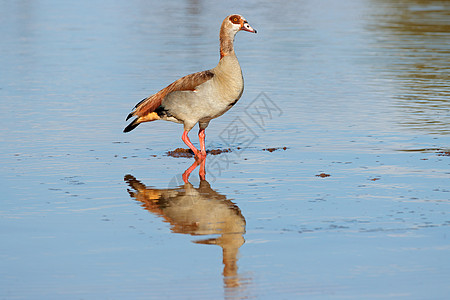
(199, 97)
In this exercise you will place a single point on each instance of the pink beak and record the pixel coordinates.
(247, 27)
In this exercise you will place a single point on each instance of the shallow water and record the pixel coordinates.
(358, 90)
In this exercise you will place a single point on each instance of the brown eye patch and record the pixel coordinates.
(235, 19)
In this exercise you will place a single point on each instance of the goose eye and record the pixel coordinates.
(234, 19)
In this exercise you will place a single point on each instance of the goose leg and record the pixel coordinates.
(201, 137)
(186, 140)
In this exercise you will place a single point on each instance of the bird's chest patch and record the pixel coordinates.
(233, 103)
(165, 114)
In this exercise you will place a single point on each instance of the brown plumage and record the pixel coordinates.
(186, 83)
(199, 97)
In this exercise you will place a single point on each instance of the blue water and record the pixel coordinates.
(358, 90)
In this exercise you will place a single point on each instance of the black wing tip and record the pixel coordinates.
(140, 102)
(131, 126)
(129, 116)
(134, 109)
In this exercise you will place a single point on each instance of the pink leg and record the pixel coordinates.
(202, 172)
(201, 137)
(188, 172)
(186, 140)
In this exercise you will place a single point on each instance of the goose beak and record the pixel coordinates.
(247, 27)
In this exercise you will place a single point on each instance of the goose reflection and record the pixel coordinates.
(197, 211)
